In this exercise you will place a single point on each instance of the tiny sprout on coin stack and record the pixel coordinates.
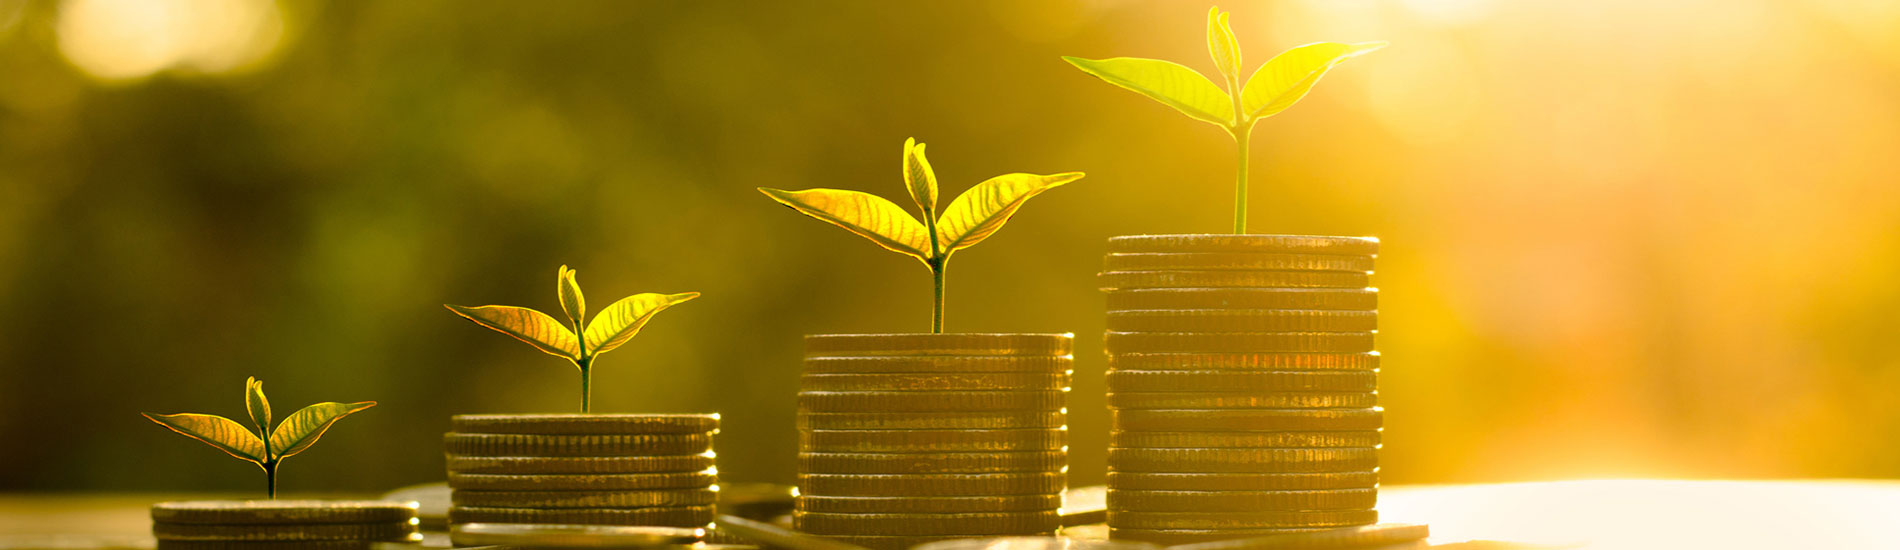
(972, 217)
(1274, 87)
(579, 341)
(265, 448)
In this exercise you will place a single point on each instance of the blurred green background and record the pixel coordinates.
(1621, 238)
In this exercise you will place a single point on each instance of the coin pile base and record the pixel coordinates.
(282, 524)
(582, 469)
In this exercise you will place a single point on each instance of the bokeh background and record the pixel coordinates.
(1622, 238)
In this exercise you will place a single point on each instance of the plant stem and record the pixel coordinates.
(587, 380)
(270, 479)
(1240, 186)
(936, 310)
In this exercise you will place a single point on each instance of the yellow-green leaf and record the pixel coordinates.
(216, 431)
(256, 404)
(983, 209)
(1222, 45)
(919, 178)
(619, 322)
(1286, 78)
(572, 302)
(1167, 82)
(870, 216)
(302, 429)
(527, 325)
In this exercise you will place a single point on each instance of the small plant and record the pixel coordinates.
(974, 216)
(265, 448)
(580, 342)
(1274, 87)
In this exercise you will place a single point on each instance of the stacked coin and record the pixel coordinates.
(913, 438)
(583, 469)
(281, 524)
(1242, 385)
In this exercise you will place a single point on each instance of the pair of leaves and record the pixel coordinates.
(577, 341)
(1274, 87)
(975, 215)
(298, 432)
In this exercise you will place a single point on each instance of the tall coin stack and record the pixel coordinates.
(1242, 385)
(913, 438)
(583, 469)
(285, 524)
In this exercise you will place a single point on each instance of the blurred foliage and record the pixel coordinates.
(1620, 237)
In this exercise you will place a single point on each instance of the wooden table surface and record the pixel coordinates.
(1594, 515)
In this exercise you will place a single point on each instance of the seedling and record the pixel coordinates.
(1274, 87)
(265, 448)
(974, 216)
(579, 342)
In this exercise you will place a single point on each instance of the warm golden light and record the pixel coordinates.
(130, 39)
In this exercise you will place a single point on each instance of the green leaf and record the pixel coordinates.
(1286, 78)
(216, 431)
(256, 404)
(919, 178)
(572, 302)
(619, 322)
(301, 430)
(1222, 45)
(527, 325)
(870, 216)
(1167, 82)
(983, 209)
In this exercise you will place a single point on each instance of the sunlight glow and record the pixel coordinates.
(122, 40)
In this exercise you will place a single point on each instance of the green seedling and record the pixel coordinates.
(1274, 87)
(974, 216)
(265, 447)
(579, 342)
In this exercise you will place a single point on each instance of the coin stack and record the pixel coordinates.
(583, 469)
(913, 438)
(1242, 385)
(286, 524)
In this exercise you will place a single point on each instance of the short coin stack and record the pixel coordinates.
(583, 469)
(1242, 385)
(281, 524)
(913, 438)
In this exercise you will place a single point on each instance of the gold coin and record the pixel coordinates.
(980, 420)
(1120, 380)
(1228, 242)
(945, 364)
(1243, 361)
(1220, 261)
(230, 512)
(585, 424)
(988, 523)
(982, 381)
(1230, 440)
(1241, 400)
(884, 542)
(582, 482)
(927, 441)
(928, 505)
(518, 445)
(1242, 320)
(665, 516)
(1225, 501)
(1192, 536)
(1237, 342)
(383, 531)
(931, 485)
(1242, 460)
(585, 499)
(1137, 481)
(399, 544)
(1244, 298)
(1332, 539)
(580, 464)
(1252, 519)
(1246, 420)
(924, 463)
(570, 536)
(906, 401)
(1177, 278)
(1014, 345)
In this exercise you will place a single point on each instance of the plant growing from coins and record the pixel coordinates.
(580, 342)
(265, 447)
(1274, 87)
(975, 215)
